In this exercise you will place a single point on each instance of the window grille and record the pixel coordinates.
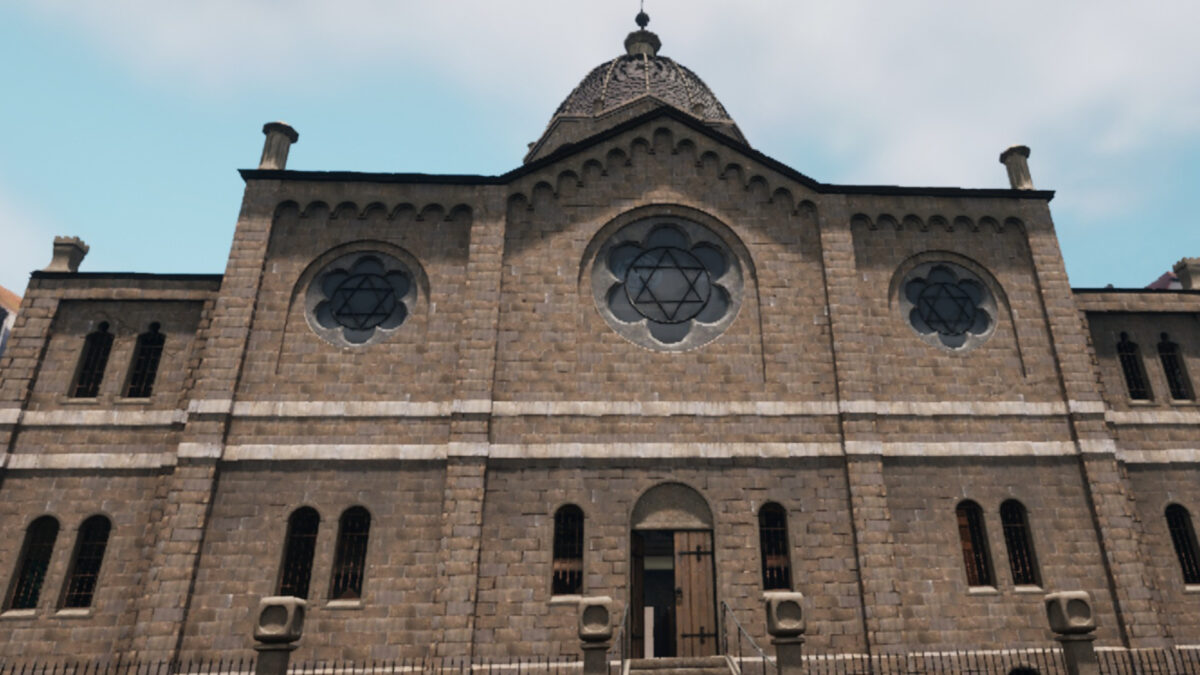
(350, 559)
(298, 552)
(85, 565)
(568, 551)
(1020, 548)
(974, 544)
(145, 362)
(1131, 366)
(35, 558)
(1179, 522)
(773, 540)
(91, 364)
(1172, 363)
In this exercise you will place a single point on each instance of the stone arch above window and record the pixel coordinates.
(671, 506)
(973, 539)
(350, 556)
(1019, 542)
(1132, 368)
(84, 573)
(298, 549)
(568, 551)
(773, 545)
(26, 586)
(92, 362)
(1183, 536)
(667, 282)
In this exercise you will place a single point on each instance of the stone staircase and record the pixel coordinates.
(690, 665)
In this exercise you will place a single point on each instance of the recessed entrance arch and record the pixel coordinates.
(672, 585)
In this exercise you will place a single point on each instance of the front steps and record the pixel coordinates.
(687, 665)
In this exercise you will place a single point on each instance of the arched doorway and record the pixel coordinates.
(673, 589)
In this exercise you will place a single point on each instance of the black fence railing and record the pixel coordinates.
(1047, 661)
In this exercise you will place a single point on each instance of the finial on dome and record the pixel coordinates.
(642, 42)
(642, 19)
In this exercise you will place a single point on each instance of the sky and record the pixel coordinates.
(123, 122)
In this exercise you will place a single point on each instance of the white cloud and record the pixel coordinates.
(25, 242)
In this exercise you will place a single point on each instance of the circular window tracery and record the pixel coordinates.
(667, 283)
(948, 305)
(360, 298)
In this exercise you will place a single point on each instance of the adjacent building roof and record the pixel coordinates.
(9, 300)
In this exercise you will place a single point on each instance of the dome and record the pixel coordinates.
(640, 75)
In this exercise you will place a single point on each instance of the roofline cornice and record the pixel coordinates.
(587, 143)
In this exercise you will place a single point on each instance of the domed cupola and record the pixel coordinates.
(633, 83)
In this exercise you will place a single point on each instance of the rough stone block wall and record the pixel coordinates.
(517, 615)
(243, 551)
(127, 499)
(938, 609)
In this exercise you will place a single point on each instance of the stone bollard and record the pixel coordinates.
(786, 624)
(1074, 624)
(280, 136)
(280, 623)
(595, 632)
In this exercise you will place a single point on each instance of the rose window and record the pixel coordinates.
(667, 284)
(360, 298)
(948, 305)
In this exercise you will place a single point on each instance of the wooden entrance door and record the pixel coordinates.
(695, 603)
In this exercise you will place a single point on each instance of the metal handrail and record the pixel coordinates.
(727, 611)
(624, 640)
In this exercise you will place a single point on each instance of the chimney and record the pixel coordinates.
(1015, 159)
(280, 137)
(1188, 271)
(68, 253)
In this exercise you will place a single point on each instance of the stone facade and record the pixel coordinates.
(505, 394)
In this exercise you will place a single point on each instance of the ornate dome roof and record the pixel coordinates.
(638, 74)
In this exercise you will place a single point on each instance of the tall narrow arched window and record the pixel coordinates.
(1131, 366)
(568, 551)
(773, 542)
(92, 362)
(298, 552)
(1179, 522)
(974, 544)
(350, 558)
(145, 362)
(35, 559)
(1020, 548)
(85, 562)
(1172, 363)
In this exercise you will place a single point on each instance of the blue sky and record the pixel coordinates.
(124, 122)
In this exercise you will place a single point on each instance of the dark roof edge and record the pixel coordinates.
(83, 276)
(662, 111)
(1147, 291)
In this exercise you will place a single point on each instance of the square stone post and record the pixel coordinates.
(1074, 624)
(786, 625)
(595, 632)
(279, 626)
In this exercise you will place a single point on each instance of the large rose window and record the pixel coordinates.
(948, 305)
(360, 298)
(667, 283)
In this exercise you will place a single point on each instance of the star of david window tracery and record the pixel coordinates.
(949, 305)
(667, 284)
(359, 298)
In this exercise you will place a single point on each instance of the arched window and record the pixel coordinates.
(350, 558)
(145, 362)
(1131, 365)
(1020, 548)
(974, 544)
(1172, 363)
(90, 374)
(1179, 522)
(35, 559)
(773, 540)
(298, 552)
(85, 562)
(568, 551)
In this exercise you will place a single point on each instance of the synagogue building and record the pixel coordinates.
(650, 362)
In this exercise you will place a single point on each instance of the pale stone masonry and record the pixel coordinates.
(892, 352)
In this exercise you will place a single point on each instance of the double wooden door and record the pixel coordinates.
(683, 597)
